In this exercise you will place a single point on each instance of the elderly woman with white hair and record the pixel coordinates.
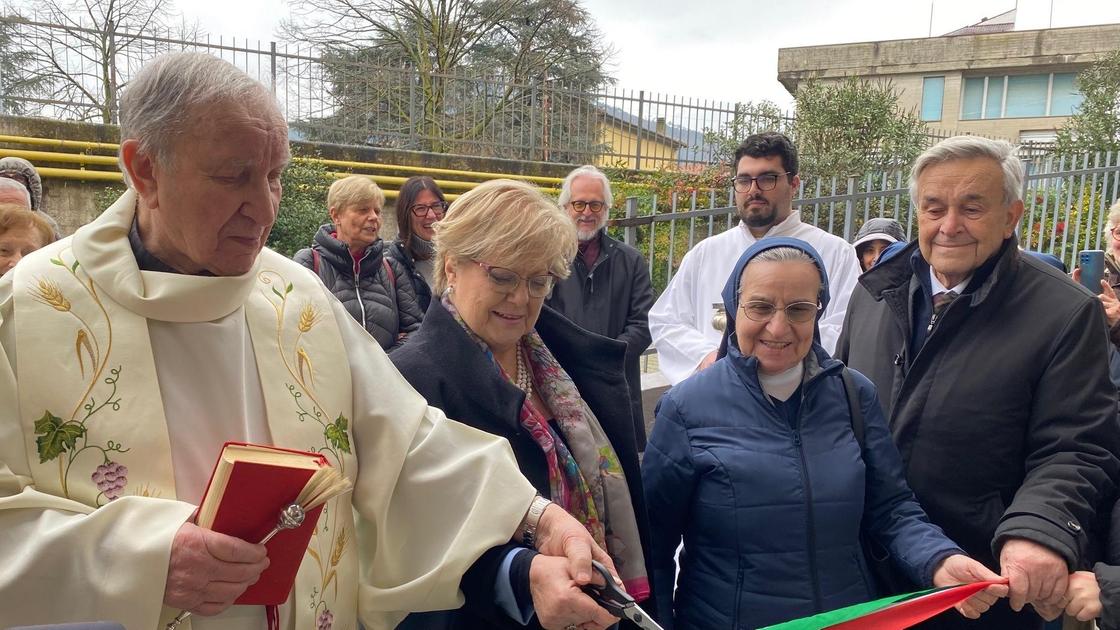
(490, 354)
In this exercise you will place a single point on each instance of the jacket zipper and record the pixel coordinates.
(738, 598)
(358, 291)
(810, 531)
(591, 272)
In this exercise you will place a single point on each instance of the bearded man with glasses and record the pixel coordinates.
(765, 181)
(608, 291)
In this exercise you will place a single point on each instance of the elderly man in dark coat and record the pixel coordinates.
(608, 292)
(992, 369)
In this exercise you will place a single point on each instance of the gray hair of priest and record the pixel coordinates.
(586, 170)
(969, 147)
(159, 103)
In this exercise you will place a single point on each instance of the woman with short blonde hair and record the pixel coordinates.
(349, 257)
(505, 221)
(490, 354)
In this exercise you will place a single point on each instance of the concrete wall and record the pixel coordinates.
(934, 55)
(74, 203)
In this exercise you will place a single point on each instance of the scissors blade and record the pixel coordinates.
(638, 616)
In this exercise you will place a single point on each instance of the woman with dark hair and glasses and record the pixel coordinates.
(421, 203)
(756, 465)
(490, 354)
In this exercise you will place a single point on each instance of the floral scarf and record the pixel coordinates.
(584, 473)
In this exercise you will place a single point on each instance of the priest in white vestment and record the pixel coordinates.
(765, 181)
(134, 349)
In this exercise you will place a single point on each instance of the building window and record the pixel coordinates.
(1020, 96)
(933, 97)
(1065, 98)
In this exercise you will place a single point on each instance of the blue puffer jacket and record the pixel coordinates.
(770, 514)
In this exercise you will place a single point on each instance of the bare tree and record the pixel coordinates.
(86, 50)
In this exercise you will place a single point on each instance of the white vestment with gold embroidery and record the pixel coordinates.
(118, 387)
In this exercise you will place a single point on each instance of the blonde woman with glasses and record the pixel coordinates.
(490, 354)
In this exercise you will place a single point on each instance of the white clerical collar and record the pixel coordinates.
(787, 226)
(103, 249)
(781, 386)
(937, 287)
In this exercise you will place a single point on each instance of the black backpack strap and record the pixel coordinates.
(854, 409)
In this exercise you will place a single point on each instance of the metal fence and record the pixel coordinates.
(75, 73)
(1066, 203)
(337, 97)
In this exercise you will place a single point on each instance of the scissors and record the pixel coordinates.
(617, 601)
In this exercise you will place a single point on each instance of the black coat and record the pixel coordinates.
(398, 252)
(384, 304)
(1108, 575)
(449, 369)
(612, 299)
(1005, 417)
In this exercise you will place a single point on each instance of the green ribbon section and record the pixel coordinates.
(840, 615)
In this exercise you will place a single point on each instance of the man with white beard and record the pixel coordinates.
(609, 291)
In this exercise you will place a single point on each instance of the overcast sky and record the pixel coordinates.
(725, 49)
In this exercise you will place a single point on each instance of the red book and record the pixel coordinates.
(248, 488)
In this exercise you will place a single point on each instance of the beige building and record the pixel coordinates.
(984, 79)
(629, 144)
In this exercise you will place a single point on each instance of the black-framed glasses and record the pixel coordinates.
(796, 312)
(1115, 232)
(766, 181)
(594, 206)
(437, 207)
(507, 281)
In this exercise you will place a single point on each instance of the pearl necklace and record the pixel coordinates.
(524, 380)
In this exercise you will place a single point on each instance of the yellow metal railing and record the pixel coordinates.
(388, 182)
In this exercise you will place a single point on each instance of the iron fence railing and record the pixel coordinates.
(335, 97)
(342, 98)
(1066, 206)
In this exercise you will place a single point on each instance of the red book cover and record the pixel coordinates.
(251, 485)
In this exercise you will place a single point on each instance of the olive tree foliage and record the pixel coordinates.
(1096, 124)
(853, 127)
(82, 52)
(747, 119)
(429, 75)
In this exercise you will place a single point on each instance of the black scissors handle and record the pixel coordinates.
(609, 595)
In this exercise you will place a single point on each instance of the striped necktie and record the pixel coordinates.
(940, 301)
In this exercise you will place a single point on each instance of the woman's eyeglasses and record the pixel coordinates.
(438, 208)
(507, 281)
(796, 312)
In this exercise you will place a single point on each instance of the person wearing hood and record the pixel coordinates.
(419, 205)
(875, 236)
(23, 172)
(763, 449)
(348, 255)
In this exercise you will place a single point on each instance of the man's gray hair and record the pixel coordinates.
(968, 147)
(586, 170)
(161, 100)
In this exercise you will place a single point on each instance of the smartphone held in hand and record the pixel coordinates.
(1091, 262)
